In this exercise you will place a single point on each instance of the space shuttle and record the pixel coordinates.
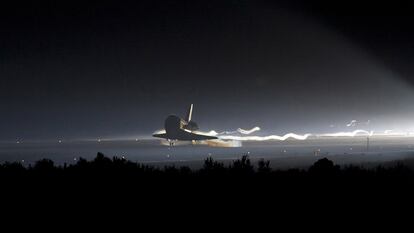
(178, 129)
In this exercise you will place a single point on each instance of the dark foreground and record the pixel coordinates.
(106, 173)
(241, 187)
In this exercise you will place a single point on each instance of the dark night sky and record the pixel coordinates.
(111, 68)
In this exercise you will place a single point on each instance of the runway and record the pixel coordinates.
(282, 154)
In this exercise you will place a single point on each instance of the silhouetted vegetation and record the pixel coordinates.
(104, 178)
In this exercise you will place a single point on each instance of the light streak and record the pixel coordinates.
(266, 138)
(348, 134)
(239, 130)
(243, 131)
(352, 123)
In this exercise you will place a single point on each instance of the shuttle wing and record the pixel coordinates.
(196, 136)
(160, 135)
(187, 135)
(184, 135)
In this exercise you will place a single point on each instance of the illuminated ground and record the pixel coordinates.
(282, 154)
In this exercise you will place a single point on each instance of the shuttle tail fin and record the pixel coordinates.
(189, 113)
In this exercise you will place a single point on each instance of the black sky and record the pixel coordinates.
(107, 68)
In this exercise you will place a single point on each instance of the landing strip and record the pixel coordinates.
(282, 154)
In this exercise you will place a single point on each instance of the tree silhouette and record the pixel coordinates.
(44, 165)
(263, 166)
(119, 170)
(212, 167)
(242, 166)
(324, 167)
